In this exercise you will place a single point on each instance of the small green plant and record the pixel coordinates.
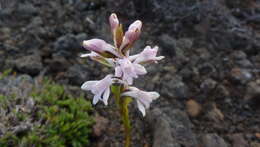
(5, 73)
(64, 120)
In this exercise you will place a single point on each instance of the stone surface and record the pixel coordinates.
(213, 140)
(193, 108)
(30, 64)
(238, 140)
(171, 129)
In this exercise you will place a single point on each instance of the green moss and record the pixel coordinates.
(65, 120)
(5, 73)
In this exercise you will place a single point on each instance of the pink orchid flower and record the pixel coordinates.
(128, 70)
(100, 89)
(143, 98)
(147, 55)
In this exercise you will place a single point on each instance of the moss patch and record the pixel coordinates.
(58, 119)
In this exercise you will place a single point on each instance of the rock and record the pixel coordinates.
(67, 44)
(77, 74)
(26, 10)
(213, 140)
(168, 44)
(100, 125)
(20, 86)
(252, 91)
(257, 135)
(184, 43)
(208, 84)
(239, 55)
(241, 75)
(30, 64)
(175, 87)
(244, 63)
(238, 140)
(171, 128)
(193, 108)
(254, 144)
(215, 114)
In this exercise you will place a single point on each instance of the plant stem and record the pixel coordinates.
(126, 121)
(122, 104)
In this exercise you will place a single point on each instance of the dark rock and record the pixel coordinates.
(238, 140)
(215, 114)
(168, 44)
(77, 74)
(171, 128)
(30, 64)
(206, 69)
(241, 75)
(213, 140)
(26, 10)
(184, 44)
(67, 45)
(208, 84)
(244, 63)
(253, 90)
(175, 87)
(239, 55)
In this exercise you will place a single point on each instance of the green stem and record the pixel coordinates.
(126, 121)
(122, 103)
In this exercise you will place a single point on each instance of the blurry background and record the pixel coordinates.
(209, 81)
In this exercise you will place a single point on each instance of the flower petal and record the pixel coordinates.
(118, 72)
(106, 95)
(96, 98)
(139, 69)
(88, 85)
(141, 107)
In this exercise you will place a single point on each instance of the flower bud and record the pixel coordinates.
(131, 35)
(101, 47)
(114, 22)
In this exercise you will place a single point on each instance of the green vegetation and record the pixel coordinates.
(5, 73)
(59, 120)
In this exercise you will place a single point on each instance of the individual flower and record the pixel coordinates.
(147, 55)
(131, 35)
(128, 70)
(143, 98)
(100, 89)
(101, 47)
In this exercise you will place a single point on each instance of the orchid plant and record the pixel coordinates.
(127, 67)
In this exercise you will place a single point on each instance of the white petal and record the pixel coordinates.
(118, 71)
(133, 94)
(96, 98)
(88, 85)
(106, 96)
(139, 69)
(153, 95)
(141, 107)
